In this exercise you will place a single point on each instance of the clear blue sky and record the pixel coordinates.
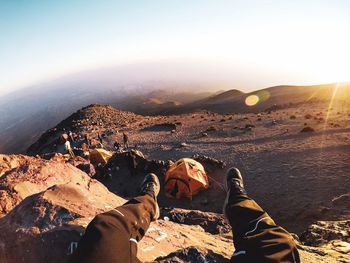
(295, 41)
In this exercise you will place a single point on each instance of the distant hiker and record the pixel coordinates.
(71, 136)
(64, 146)
(117, 146)
(87, 141)
(113, 236)
(99, 138)
(86, 152)
(126, 141)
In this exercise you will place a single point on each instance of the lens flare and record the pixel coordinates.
(252, 100)
(331, 101)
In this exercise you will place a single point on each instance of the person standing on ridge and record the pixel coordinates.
(99, 138)
(125, 140)
(70, 134)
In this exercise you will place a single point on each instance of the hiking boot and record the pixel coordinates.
(233, 184)
(151, 186)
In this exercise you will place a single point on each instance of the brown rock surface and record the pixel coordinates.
(331, 236)
(309, 174)
(51, 203)
(24, 176)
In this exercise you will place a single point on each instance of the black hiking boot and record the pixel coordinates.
(151, 186)
(233, 184)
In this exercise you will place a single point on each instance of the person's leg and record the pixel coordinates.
(113, 236)
(256, 236)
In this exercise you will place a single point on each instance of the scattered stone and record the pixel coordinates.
(323, 232)
(308, 116)
(307, 129)
(161, 127)
(183, 144)
(249, 126)
(208, 162)
(51, 203)
(211, 128)
(341, 246)
(192, 254)
(211, 222)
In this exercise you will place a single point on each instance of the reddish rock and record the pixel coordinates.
(48, 206)
(25, 176)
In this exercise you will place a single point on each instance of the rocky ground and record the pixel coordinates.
(300, 178)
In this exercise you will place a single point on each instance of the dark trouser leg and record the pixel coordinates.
(113, 236)
(256, 236)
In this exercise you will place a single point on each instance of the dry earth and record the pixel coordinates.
(47, 224)
(295, 176)
(299, 178)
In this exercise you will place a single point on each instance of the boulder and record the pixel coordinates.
(46, 206)
(213, 223)
(31, 175)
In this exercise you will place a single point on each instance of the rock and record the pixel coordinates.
(31, 175)
(211, 128)
(174, 240)
(341, 246)
(88, 168)
(50, 208)
(192, 254)
(211, 222)
(162, 127)
(308, 116)
(307, 129)
(183, 144)
(208, 162)
(323, 233)
(8, 162)
(249, 126)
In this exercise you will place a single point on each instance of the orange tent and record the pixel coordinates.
(185, 178)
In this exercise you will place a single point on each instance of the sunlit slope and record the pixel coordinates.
(278, 96)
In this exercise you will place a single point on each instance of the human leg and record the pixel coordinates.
(256, 236)
(113, 236)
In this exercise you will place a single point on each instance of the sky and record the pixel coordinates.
(263, 43)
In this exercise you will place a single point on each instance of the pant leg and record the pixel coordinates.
(113, 236)
(256, 236)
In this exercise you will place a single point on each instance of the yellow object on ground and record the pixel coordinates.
(100, 155)
(67, 156)
(185, 178)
